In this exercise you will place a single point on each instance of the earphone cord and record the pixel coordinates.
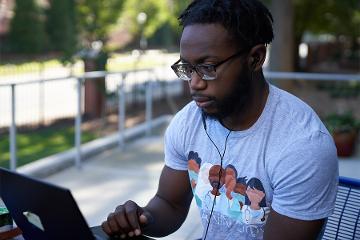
(220, 173)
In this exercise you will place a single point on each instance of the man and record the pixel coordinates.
(275, 142)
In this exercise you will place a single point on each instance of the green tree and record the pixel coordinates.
(61, 27)
(331, 16)
(339, 18)
(27, 28)
(177, 7)
(157, 12)
(161, 23)
(96, 19)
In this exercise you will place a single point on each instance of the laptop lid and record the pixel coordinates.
(42, 210)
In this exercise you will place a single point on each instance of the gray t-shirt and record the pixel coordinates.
(286, 160)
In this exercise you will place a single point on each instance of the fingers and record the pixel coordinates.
(125, 220)
(133, 212)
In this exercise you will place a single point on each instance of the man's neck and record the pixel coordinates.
(249, 114)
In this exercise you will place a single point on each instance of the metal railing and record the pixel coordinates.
(312, 76)
(123, 88)
(121, 91)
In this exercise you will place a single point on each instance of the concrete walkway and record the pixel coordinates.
(116, 175)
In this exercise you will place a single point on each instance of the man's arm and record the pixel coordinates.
(281, 227)
(164, 213)
(171, 204)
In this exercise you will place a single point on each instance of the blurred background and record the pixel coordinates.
(46, 45)
(76, 71)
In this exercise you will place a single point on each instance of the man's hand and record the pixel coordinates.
(127, 220)
(163, 214)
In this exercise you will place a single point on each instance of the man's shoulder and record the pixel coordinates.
(291, 103)
(296, 112)
(294, 122)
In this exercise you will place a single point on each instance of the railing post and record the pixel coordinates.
(41, 102)
(78, 124)
(121, 112)
(148, 114)
(13, 130)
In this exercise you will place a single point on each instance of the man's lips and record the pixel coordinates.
(202, 102)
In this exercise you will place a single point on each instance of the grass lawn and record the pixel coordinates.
(9, 69)
(41, 143)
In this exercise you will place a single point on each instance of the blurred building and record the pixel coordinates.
(328, 53)
(6, 13)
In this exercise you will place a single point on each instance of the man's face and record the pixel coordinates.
(214, 180)
(211, 44)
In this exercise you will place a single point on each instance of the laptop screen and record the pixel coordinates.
(42, 210)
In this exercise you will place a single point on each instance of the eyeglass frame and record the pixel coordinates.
(195, 67)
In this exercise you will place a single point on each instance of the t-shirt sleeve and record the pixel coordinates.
(175, 143)
(305, 178)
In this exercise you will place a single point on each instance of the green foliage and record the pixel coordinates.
(159, 14)
(329, 16)
(27, 28)
(61, 27)
(342, 122)
(96, 19)
(156, 12)
(178, 7)
(350, 89)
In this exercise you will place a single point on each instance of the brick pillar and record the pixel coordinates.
(94, 92)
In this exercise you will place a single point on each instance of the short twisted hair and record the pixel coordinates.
(249, 22)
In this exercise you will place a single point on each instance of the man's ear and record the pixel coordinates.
(257, 57)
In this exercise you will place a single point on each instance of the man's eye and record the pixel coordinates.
(207, 68)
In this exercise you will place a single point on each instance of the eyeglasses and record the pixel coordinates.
(207, 72)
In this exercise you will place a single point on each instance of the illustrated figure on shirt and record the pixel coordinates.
(254, 211)
(230, 180)
(216, 185)
(238, 198)
(235, 191)
(216, 182)
(194, 163)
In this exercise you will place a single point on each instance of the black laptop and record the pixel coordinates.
(44, 211)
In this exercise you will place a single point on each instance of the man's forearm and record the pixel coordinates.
(166, 217)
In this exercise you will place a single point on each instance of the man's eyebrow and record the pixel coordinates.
(200, 59)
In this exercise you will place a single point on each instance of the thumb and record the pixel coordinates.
(146, 218)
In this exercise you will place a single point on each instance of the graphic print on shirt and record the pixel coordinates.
(237, 197)
(194, 163)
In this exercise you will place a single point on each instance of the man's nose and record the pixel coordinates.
(196, 82)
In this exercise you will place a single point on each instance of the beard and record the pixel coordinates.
(237, 99)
